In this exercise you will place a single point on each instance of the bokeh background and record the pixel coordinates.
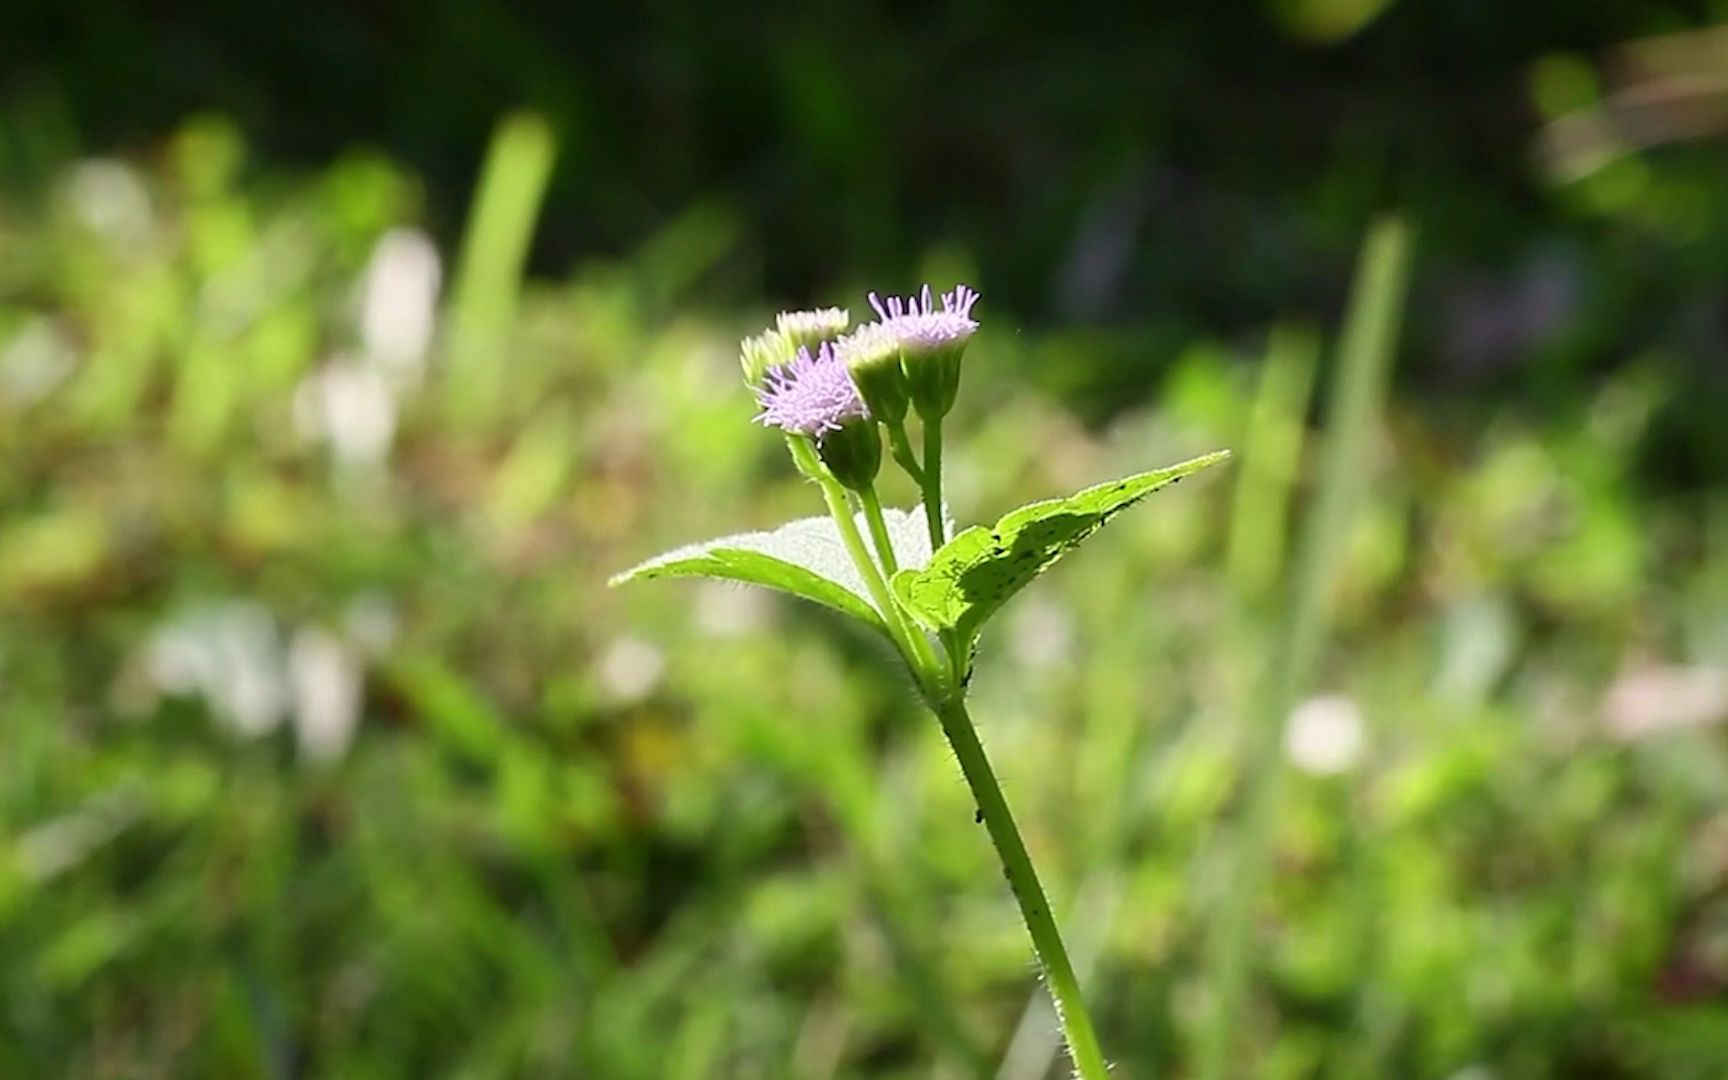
(347, 348)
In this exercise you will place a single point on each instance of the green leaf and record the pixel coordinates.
(976, 572)
(806, 558)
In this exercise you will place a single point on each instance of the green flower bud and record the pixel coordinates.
(812, 329)
(853, 453)
(873, 357)
(932, 377)
(760, 354)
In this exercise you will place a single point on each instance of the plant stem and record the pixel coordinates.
(931, 481)
(909, 640)
(878, 530)
(901, 447)
(1059, 975)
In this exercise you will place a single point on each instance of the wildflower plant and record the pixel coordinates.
(838, 394)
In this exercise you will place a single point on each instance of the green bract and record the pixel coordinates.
(933, 377)
(873, 357)
(853, 453)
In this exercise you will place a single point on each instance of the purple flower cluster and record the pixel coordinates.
(815, 393)
(811, 395)
(918, 324)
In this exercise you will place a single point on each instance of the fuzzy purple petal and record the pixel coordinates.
(809, 396)
(919, 324)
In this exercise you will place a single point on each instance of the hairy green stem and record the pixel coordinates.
(931, 482)
(911, 642)
(901, 447)
(1059, 975)
(878, 530)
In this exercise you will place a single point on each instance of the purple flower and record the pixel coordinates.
(917, 323)
(810, 396)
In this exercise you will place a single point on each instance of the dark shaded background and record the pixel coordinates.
(1183, 171)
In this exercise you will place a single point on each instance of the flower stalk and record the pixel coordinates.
(1083, 1048)
(931, 481)
(828, 391)
(901, 447)
(879, 530)
(913, 645)
(949, 704)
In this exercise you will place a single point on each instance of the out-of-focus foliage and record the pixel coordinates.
(1174, 170)
(326, 752)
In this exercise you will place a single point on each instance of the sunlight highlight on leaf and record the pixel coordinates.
(805, 558)
(976, 572)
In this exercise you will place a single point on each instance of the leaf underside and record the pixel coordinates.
(805, 558)
(975, 573)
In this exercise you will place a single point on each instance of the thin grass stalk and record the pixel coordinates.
(1357, 389)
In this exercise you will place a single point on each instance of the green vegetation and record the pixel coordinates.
(708, 832)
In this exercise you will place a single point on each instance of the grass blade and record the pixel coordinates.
(1358, 386)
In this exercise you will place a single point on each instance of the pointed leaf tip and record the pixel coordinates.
(976, 573)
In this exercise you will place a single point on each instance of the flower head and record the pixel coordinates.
(758, 355)
(918, 324)
(931, 341)
(872, 354)
(811, 328)
(812, 395)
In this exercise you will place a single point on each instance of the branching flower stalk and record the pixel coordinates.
(833, 390)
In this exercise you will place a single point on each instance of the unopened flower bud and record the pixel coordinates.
(872, 355)
(812, 329)
(853, 453)
(762, 353)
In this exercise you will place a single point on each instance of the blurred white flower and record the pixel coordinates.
(1662, 697)
(325, 677)
(228, 654)
(351, 406)
(34, 362)
(398, 303)
(630, 669)
(1325, 735)
(111, 200)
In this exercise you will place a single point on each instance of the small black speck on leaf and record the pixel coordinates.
(978, 817)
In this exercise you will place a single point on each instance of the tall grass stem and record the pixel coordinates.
(1357, 388)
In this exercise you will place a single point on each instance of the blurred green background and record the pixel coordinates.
(347, 348)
